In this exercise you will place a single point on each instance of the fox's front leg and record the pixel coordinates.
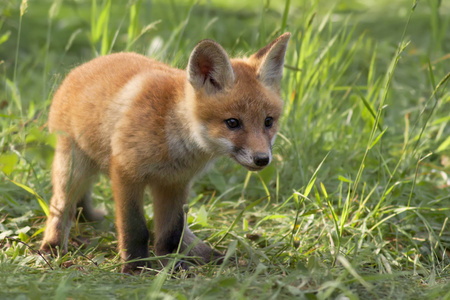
(131, 226)
(169, 220)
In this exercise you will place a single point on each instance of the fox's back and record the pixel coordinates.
(96, 97)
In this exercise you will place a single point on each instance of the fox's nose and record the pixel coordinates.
(261, 159)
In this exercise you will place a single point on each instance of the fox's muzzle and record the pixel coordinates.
(261, 159)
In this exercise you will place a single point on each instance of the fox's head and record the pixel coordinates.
(236, 103)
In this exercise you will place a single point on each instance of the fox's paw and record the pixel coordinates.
(205, 254)
(135, 268)
(50, 249)
(218, 258)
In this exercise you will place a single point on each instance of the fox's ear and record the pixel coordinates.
(209, 67)
(270, 61)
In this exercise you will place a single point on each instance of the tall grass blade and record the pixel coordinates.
(41, 201)
(285, 15)
(134, 22)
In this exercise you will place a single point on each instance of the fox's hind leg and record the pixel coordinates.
(72, 172)
(88, 212)
(169, 220)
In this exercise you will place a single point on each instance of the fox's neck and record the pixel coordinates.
(188, 129)
(187, 115)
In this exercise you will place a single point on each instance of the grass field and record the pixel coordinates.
(356, 204)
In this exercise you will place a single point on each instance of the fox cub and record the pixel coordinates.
(147, 124)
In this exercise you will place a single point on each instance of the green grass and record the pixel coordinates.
(356, 204)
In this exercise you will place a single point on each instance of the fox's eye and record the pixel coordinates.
(232, 123)
(268, 122)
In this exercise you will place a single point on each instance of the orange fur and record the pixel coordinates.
(147, 124)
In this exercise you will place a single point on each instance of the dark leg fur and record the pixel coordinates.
(131, 226)
(172, 239)
(168, 204)
(88, 212)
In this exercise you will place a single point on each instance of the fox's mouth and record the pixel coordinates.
(253, 168)
(249, 166)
